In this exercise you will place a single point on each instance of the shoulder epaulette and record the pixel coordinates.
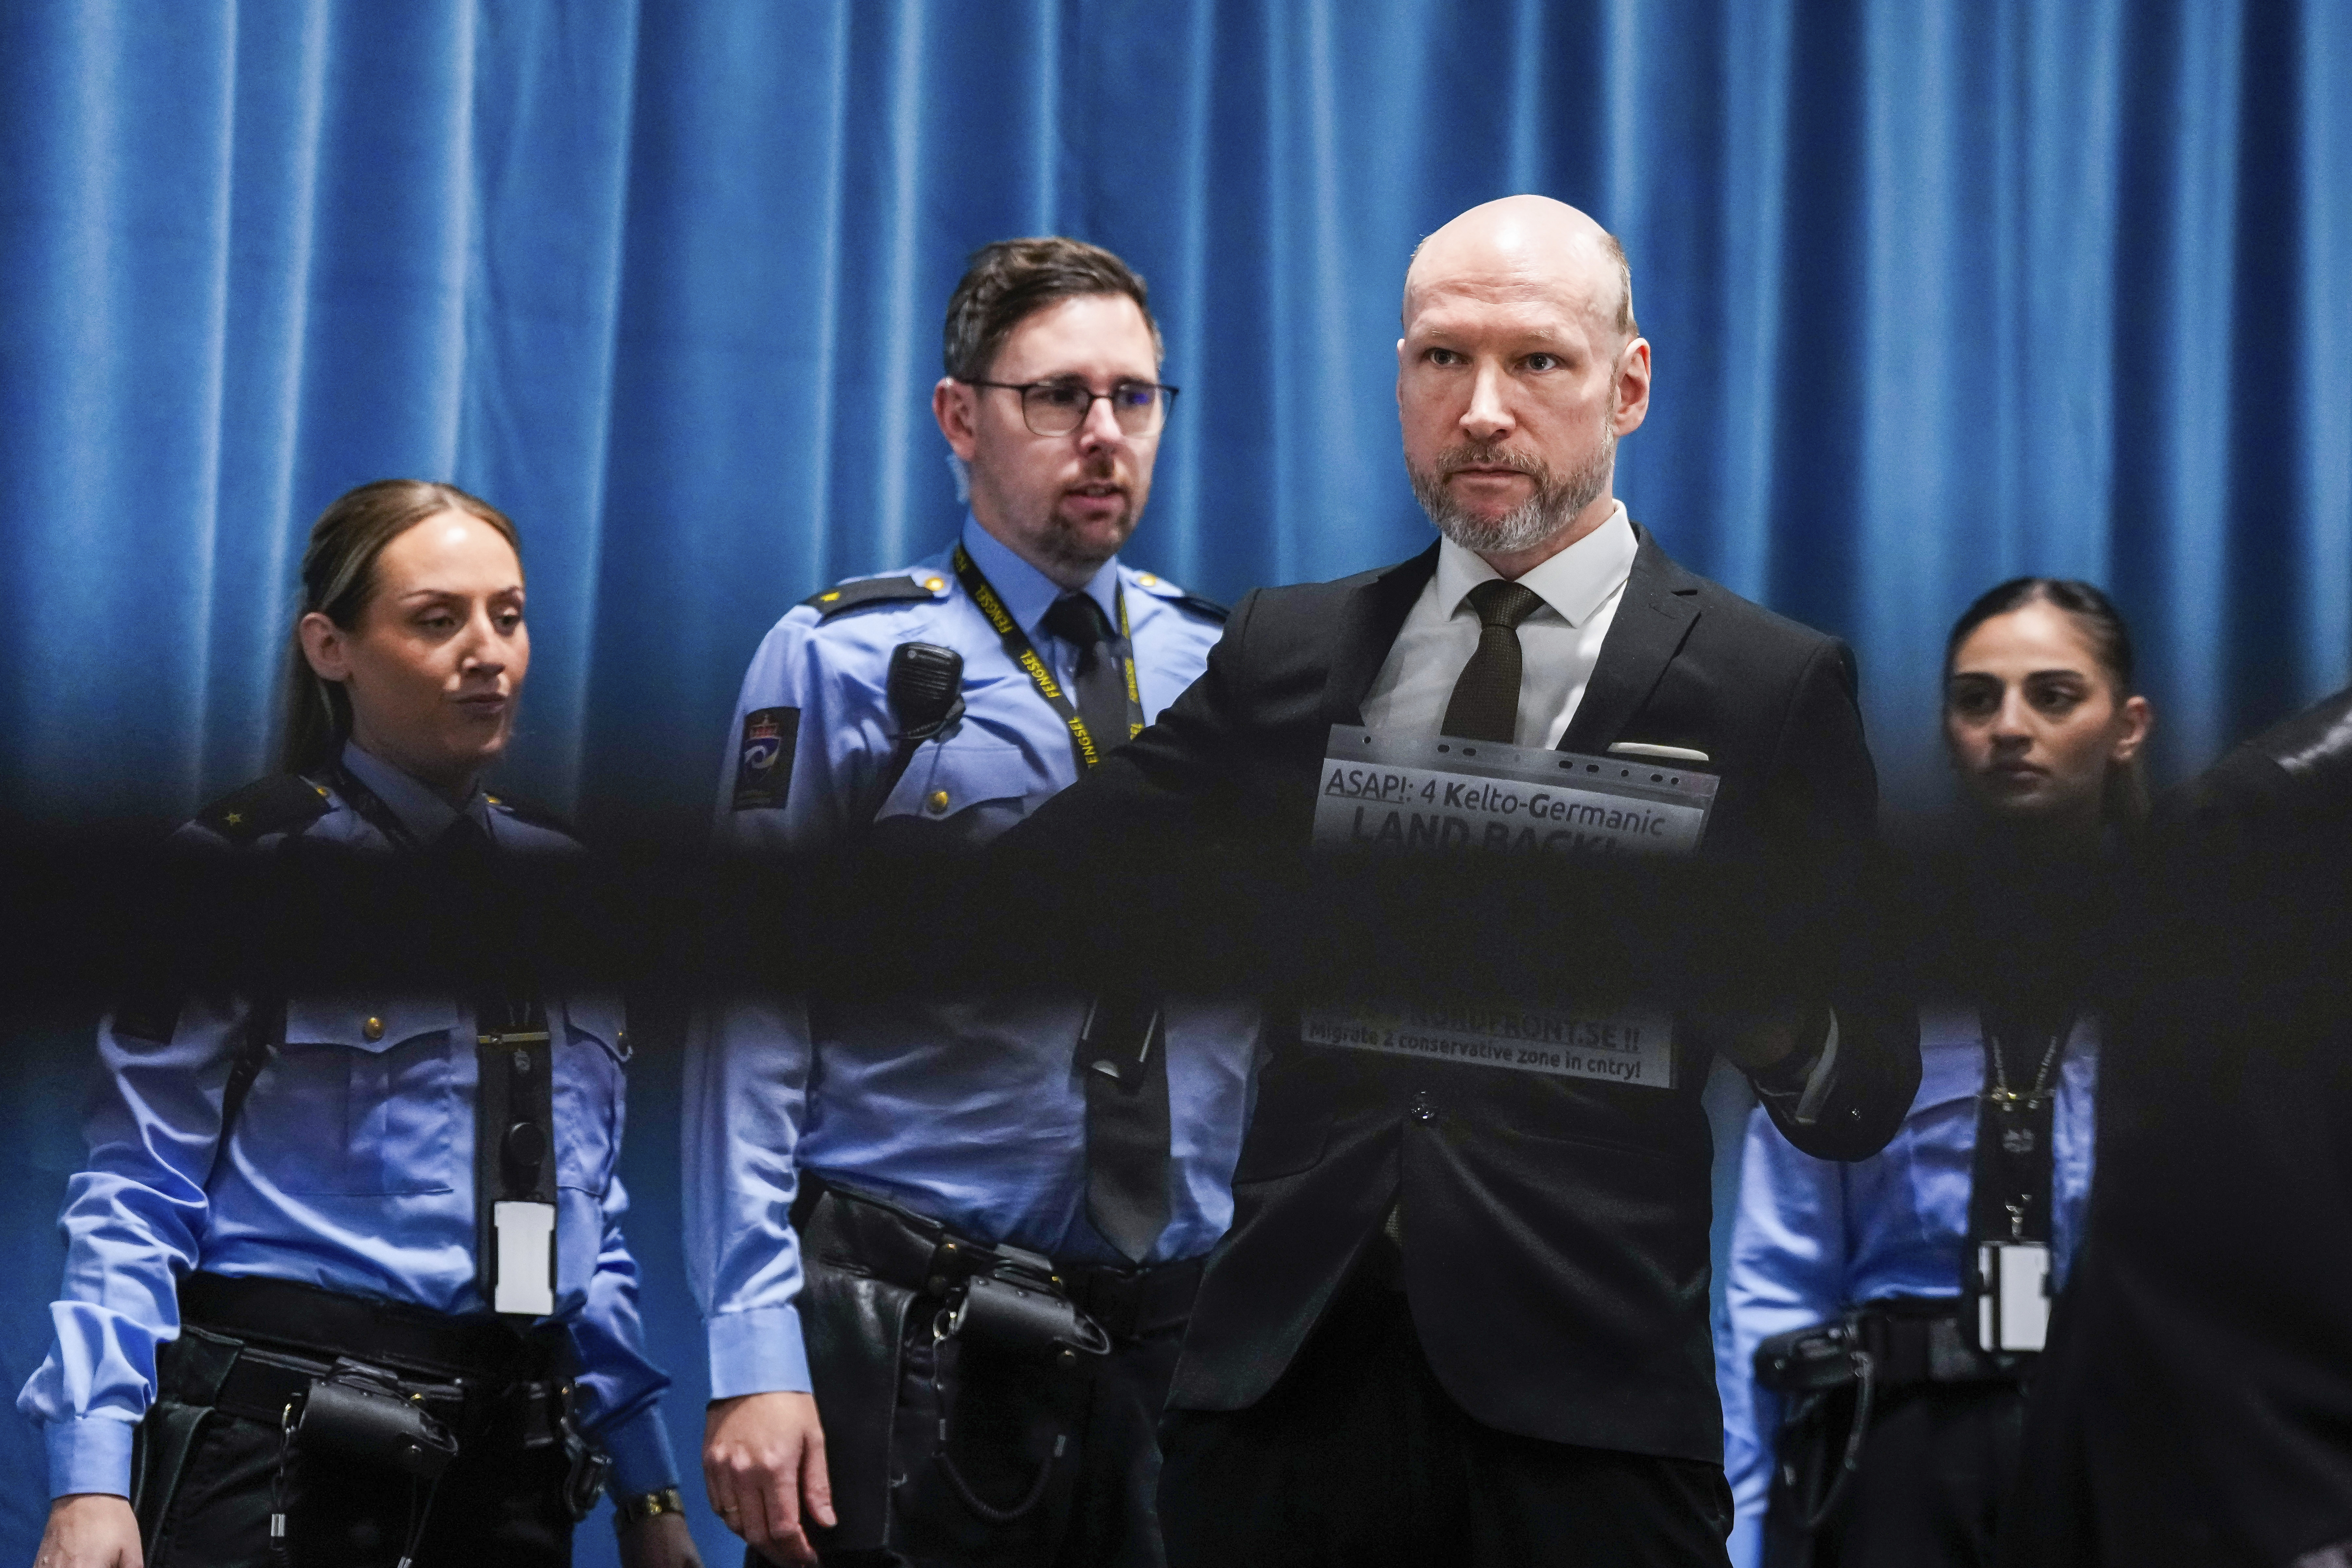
(1159, 588)
(278, 804)
(531, 811)
(1207, 609)
(860, 591)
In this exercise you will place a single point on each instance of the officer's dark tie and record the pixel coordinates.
(464, 844)
(1123, 1057)
(1123, 1054)
(1101, 695)
(1485, 701)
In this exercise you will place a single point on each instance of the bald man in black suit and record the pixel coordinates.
(1462, 1314)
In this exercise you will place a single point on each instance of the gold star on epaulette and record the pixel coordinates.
(234, 818)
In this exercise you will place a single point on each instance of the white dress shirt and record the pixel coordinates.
(1558, 644)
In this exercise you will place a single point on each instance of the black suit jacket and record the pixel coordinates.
(2195, 1406)
(1556, 1229)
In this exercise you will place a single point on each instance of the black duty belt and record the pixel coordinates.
(864, 1234)
(433, 1346)
(1133, 1303)
(1909, 1339)
(387, 1385)
(1832, 1376)
(1925, 1339)
(262, 1384)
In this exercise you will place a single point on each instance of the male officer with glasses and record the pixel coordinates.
(945, 1246)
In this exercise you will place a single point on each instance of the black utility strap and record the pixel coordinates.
(514, 1126)
(1019, 650)
(2014, 1174)
(514, 1106)
(369, 805)
(265, 1028)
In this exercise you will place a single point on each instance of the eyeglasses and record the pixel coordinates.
(1058, 407)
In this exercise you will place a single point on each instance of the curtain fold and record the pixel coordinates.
(1938, 293)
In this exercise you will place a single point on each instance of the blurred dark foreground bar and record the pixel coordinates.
(101, 916)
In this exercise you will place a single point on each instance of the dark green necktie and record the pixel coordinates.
(1485, 701)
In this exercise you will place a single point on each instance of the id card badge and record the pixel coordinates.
(2013, 1305)
(1385, 791)
(525, 1240)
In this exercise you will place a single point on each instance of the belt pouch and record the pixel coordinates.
(856, 1326)
(1024, 1322)
(359, 1415)
(189, 1376)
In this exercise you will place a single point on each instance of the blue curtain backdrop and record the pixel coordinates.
(1940, 291)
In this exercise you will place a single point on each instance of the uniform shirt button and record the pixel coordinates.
(939, 801)
(1423, 1108)
(373, 1029)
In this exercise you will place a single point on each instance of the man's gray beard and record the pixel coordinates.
(1552, 507)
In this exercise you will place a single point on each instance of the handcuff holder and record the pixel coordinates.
(360, 1415)
(1013, 1306)
(357, 1413)
(1810, 1367)
(586, 1465)
(1019, 1313)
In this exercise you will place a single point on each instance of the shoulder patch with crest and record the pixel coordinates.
(862, 591)
(764, 761)
(282, 803)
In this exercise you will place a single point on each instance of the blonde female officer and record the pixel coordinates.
(345, 1279)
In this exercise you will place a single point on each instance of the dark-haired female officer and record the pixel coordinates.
(302, 1321)
(1943, 1250)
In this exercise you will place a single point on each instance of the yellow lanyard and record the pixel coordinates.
(1021, 651)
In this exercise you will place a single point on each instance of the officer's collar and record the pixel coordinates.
(425, 813)
(1028, 593)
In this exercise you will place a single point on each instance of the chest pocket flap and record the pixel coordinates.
(976, 788)
(359, 1101)
(372, 1024)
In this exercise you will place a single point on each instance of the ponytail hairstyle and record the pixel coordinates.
(2125, 800)
(338, 582)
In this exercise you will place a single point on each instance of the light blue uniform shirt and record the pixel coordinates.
(350, 1167)
(1813, 1237)
(968, 1110)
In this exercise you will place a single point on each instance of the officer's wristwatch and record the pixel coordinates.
(629, 1511)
